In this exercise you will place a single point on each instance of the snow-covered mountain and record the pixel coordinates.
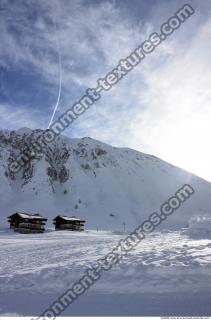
(107, 186)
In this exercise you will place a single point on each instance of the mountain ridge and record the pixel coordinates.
(106, 185)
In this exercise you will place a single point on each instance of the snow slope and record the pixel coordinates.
(168, 274)
(105, 185)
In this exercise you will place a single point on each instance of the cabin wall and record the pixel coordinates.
(67, 225)
(22, 225)
(14, 222)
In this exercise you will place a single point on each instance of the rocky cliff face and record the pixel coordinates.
(107, 186)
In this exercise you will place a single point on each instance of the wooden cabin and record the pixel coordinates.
(27, 223)
(68, 223)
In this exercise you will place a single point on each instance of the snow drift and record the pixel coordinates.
(199, 227)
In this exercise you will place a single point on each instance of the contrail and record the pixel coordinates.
(60, 83)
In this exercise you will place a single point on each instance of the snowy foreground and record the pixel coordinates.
(167, 274)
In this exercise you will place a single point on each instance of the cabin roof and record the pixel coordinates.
(28, 216)
(68, 218)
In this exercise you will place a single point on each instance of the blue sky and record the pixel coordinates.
(161, 108)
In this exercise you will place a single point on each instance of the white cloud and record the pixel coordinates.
(176, 123)
(13, 117)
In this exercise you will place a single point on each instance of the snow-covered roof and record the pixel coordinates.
(28, 216)
(69, 218)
